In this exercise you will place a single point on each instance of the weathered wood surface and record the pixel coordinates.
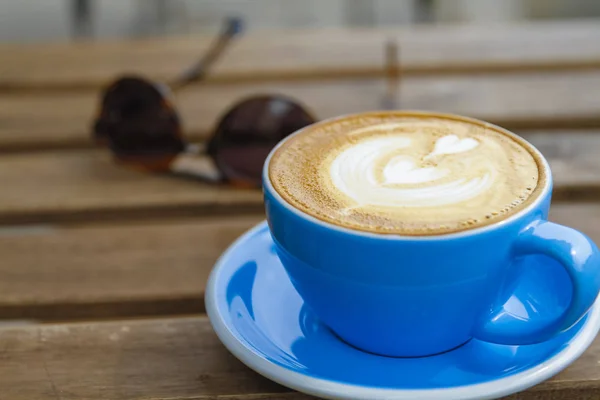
(175, 359)
(85, 185)
(114, 270)
(528, 101)
(574, 161)
(138, 269)
(309, 54)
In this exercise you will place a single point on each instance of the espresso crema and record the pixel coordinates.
(406, 173)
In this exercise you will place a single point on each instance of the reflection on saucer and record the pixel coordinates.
(261, 319)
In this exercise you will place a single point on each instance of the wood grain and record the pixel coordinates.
(518, 101)
(114, 270)
(138, 269)
(175, 359)
(85, 185)
(313, 54)
(574, 159)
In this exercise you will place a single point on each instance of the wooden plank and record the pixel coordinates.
(574, 159)
(175, 359)
(528, 101)
(111, 270)
(309, 54)
(138, 269)
(85, 185)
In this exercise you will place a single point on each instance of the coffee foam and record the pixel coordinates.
(405, 173)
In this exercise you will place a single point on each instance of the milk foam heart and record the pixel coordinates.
(406, 173)
(368, 173)
(403, 169)
(451, 144)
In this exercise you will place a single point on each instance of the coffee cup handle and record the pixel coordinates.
(580, 258)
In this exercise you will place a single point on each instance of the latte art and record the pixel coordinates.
(405, 173)
(371, 174)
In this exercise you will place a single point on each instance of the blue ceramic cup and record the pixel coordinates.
(414, 296)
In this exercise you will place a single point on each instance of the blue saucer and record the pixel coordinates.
(262, 320)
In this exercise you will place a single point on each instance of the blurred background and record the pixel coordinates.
(52, 20)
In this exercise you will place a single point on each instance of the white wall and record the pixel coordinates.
(480, 11)
(28, 20)
(49, 20)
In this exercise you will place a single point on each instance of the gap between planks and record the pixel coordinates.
(85, 185)
(140, 269)
(518, 102)
(309, 54)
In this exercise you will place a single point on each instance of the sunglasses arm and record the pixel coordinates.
(232, 28)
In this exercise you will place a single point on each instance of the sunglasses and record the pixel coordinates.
(138, 122)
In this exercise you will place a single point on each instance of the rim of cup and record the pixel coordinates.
(540, 159)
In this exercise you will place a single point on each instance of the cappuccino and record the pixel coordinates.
(406, 173)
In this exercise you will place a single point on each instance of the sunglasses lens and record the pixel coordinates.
(136, 119)
(249, 131)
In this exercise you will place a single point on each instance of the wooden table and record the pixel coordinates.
(103, 269)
